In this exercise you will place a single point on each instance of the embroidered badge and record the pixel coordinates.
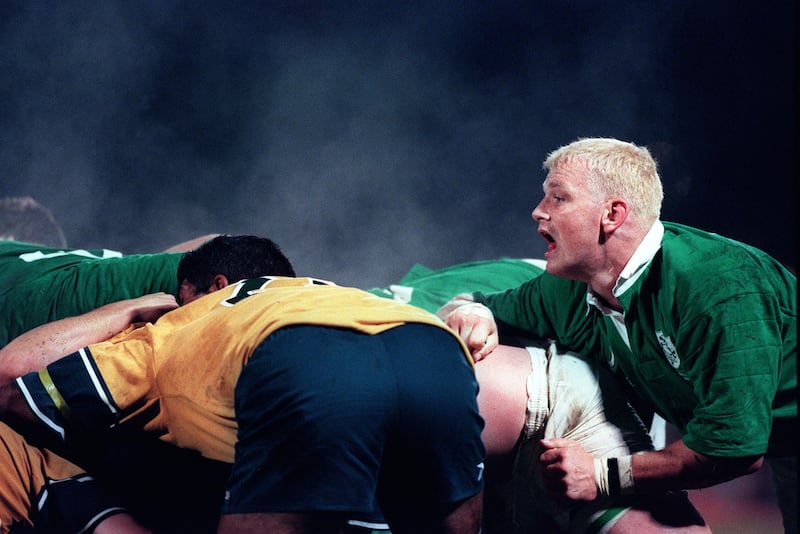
(669, 349)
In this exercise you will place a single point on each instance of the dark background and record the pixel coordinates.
(367, 136)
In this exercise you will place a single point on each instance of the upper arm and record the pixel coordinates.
(85, 392)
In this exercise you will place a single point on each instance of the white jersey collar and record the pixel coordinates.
(641, 258)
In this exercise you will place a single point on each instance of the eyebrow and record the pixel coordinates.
(548, 184)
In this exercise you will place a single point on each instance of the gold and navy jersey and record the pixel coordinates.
(177, 377)
(41, 490)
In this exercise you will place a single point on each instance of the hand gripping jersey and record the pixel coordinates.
(177, 377)
(39, 284)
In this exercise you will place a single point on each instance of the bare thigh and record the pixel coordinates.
(643, 522)
(502, 399)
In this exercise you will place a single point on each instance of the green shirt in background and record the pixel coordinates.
(431, 289)
(40, 284)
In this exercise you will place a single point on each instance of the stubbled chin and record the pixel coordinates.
(551, 260)
(552, 266)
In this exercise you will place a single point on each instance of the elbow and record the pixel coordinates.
(6, 378)
(728, 469)
(14, 363)
(9, 371)
(9, 378)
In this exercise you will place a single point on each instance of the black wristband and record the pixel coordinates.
(613, 476)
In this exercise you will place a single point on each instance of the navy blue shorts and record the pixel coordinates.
(331, 419)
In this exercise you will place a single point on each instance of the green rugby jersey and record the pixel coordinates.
(430, 289)
(712, 338)
(40, 284)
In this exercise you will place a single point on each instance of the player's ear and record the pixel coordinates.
(220, 281)
(615, 215)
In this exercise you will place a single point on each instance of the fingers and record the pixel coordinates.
(150, 307)
(474, 330)
(555, 450)
(474, 324)
(478, 333)
(486, 347)
(561, 443)
(567, 470)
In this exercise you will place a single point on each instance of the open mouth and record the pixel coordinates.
(551, 242)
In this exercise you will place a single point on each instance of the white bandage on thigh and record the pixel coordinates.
(538, 405)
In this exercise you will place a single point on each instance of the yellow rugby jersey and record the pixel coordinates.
(26, 471)
(188, 363)
(41, 490)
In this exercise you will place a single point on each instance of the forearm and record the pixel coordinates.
(679, 467)
(42, 346)
(571, 472)
(45, 344)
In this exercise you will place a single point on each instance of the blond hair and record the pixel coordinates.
(617, 169)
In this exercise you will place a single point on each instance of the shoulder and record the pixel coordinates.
(706, 265)
(139, 267)
(697, 251)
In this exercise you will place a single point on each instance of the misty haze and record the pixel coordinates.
(367, 136)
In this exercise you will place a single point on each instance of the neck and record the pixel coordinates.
(618, 253)
(604, 290)
(604, 280)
